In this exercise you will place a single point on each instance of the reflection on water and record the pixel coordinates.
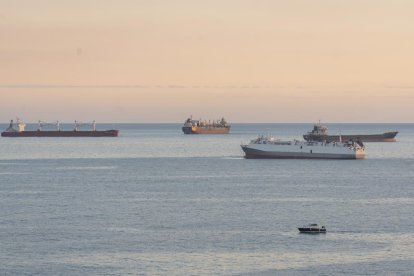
(236, 262)
(67, 168)
(157, 202)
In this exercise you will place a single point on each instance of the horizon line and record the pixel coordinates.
(175, 86)
(129, 86)
(149, 123)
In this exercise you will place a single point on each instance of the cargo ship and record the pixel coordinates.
(269, 147)
(20, 131)
(203, 127)
(320, 133)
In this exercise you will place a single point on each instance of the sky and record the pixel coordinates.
(246, 60)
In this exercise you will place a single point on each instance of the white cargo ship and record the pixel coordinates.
(269, 147)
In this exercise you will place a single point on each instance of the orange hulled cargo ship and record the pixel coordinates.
(203, 127)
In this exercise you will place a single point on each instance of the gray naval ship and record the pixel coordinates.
(320, 133)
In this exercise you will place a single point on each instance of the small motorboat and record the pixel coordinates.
(312, 228)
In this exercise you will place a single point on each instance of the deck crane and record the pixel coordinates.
(79, 124)
(43, 124)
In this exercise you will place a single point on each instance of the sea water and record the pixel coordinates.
(156, 201)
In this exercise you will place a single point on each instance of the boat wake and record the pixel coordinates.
(86, 168)
(233, 158)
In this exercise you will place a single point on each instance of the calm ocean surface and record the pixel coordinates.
(155, 201)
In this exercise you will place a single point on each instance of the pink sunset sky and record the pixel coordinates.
(249, 61)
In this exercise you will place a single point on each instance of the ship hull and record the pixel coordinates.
(307, 230)
(385, 137)
(103, 133)
(295, 152)
(206, 130)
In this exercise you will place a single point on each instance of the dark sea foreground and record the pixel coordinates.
(155, 201)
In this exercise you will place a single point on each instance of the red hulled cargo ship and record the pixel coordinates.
(20, 131)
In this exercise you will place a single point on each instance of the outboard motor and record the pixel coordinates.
(359, 142)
